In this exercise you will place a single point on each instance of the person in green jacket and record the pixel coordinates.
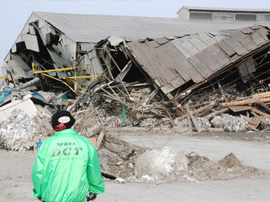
(66, 167)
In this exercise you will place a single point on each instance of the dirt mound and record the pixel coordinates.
(135, 164)
(201, 168)
(230, 161)
(120, 164)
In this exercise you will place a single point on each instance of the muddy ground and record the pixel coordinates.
(252, 149)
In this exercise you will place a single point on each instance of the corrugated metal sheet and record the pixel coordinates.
(235, 44)
(221, 57)
(161, 40)
(190, 58)
(226, 48)
(93, 28)
(263, 33)
(249, 43)
(246, 68)
(257, 38)
(247, 30)
(196, 42)
(188, 48)
(180, 63)
(180, 48)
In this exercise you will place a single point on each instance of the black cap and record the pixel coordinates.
(62, 120)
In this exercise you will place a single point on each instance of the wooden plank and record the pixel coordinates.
(212, 115)
(251, 120)
(261, 119)
(240, 108)
(194, 120)
(260, 112)
(261, 95)
(199, 110)
(244, 102)
(264, 106)
(203, 109)
(111, 147)
(189, 123)
(253, 127)
(138, 116)
(100, 138)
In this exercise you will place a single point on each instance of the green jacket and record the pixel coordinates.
(66, 167)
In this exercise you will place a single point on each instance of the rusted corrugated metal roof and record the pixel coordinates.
(195, 57)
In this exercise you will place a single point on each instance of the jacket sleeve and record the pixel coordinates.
(96, 183)
(37, 171)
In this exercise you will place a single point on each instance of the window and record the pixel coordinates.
(245, 17)
(223, 16)
(200, 16)
(263, 17)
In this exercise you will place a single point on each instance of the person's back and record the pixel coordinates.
(66, 167)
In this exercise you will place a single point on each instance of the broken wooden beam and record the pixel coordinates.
(112, 147)
(264, 105)
(253, 127)
(203, 109)
(138, 116)
(199, 110)
(244, 102)
(194, 119)
(251, 120)
(100, 138)
(240, 108)
(260, 112)
(261, 95)
(261, 119)
(212, 115)
(189, 123)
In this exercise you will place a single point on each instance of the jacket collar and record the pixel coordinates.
(66, 131)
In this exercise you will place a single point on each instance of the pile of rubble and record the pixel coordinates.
(18, 131)
(248, 114)
(156, 82)
(128, 163)
(120, 160)
(26, 114)
(166, 165)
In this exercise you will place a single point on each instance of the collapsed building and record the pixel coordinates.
(179, 67)
(204, 57)
(136, 71)
(55, 45)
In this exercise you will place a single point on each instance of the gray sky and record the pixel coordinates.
(14, 14)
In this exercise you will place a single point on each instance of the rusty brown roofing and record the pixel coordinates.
(171, 63)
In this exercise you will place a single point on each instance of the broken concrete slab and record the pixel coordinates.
(24, 104)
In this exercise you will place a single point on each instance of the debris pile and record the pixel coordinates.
(167, 165)
(18, 131)
(159, 82)
(194, 82)
(202, 169)
(120, 160)
(117, 158)
(230, 123)
(125, 162)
